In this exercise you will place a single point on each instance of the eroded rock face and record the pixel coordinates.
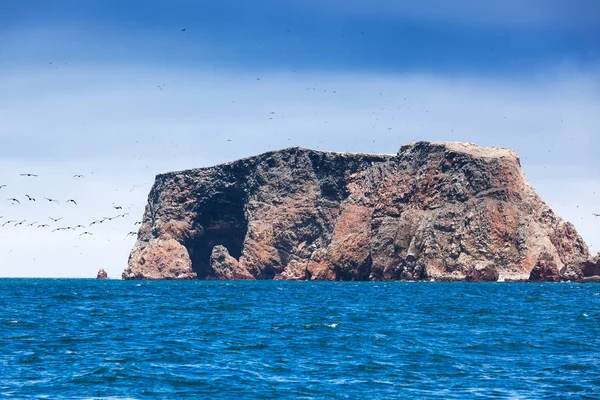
(433, 210)
(225, 267)
(545, 269)
(591, 267)
(589, 270)
(482, 272)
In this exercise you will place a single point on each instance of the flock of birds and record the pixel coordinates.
(39, 225)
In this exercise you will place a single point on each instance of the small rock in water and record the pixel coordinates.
(102, 274)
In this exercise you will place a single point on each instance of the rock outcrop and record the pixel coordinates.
(225, 267)
(545, 269)
(101, 274)
(482, 272)
(447, 211)
(587, 271)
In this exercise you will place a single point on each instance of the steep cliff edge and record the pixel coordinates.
(448, 211)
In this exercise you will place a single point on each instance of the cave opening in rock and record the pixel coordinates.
(220, 221)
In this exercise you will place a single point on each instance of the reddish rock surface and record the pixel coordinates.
(545, 269)
(433, 210)
(482, 272)
(225, 267)
(102, 274)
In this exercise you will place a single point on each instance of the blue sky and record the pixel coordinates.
(510, 37)
(117, 91)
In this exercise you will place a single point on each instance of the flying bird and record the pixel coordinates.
(78, 176)
(20, 223)
(96, 222)
(118, 208)
(32, 224)
(56, 219)
(1, 186)
(596, 215)
(59, 229)
(71, 201)
(131, 234)
(14, 200)
(51, 200)
(9, 222)
(86, 233)
(30, 175)
(29, 197)
(43, 226)
(79, 226)
(137, 223)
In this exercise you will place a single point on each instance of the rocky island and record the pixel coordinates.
(443, 211)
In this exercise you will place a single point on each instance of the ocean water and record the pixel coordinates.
(81, 339)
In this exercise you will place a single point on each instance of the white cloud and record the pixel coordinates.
(121, 126)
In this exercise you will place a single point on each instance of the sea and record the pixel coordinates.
(112, 339)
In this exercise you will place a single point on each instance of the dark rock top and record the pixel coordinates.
(443, 211)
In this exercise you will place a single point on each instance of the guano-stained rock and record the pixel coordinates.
(432, 211)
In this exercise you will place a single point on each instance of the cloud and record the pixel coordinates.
(121, 125)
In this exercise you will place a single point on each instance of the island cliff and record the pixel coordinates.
(443, 211)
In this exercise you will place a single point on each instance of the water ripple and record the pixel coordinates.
(88, 339)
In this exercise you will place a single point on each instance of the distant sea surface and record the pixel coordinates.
(79, 339)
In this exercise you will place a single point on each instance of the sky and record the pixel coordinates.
(121, 91)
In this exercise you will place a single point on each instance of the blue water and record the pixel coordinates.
(270, 340)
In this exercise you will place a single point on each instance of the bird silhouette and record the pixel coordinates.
(86, 233)
(131, 234)
(137, 223)
(21, 223)
(1, 186)
(9, 222)
(43, 226)
(96, 222)
(31, 224)
(56, 219)
(51, 200)
(29, 197)
(71, 201)
(78, 176)
(30, 175)
(118, 208)
(596, 215)
(79, 226)
(14, 200)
